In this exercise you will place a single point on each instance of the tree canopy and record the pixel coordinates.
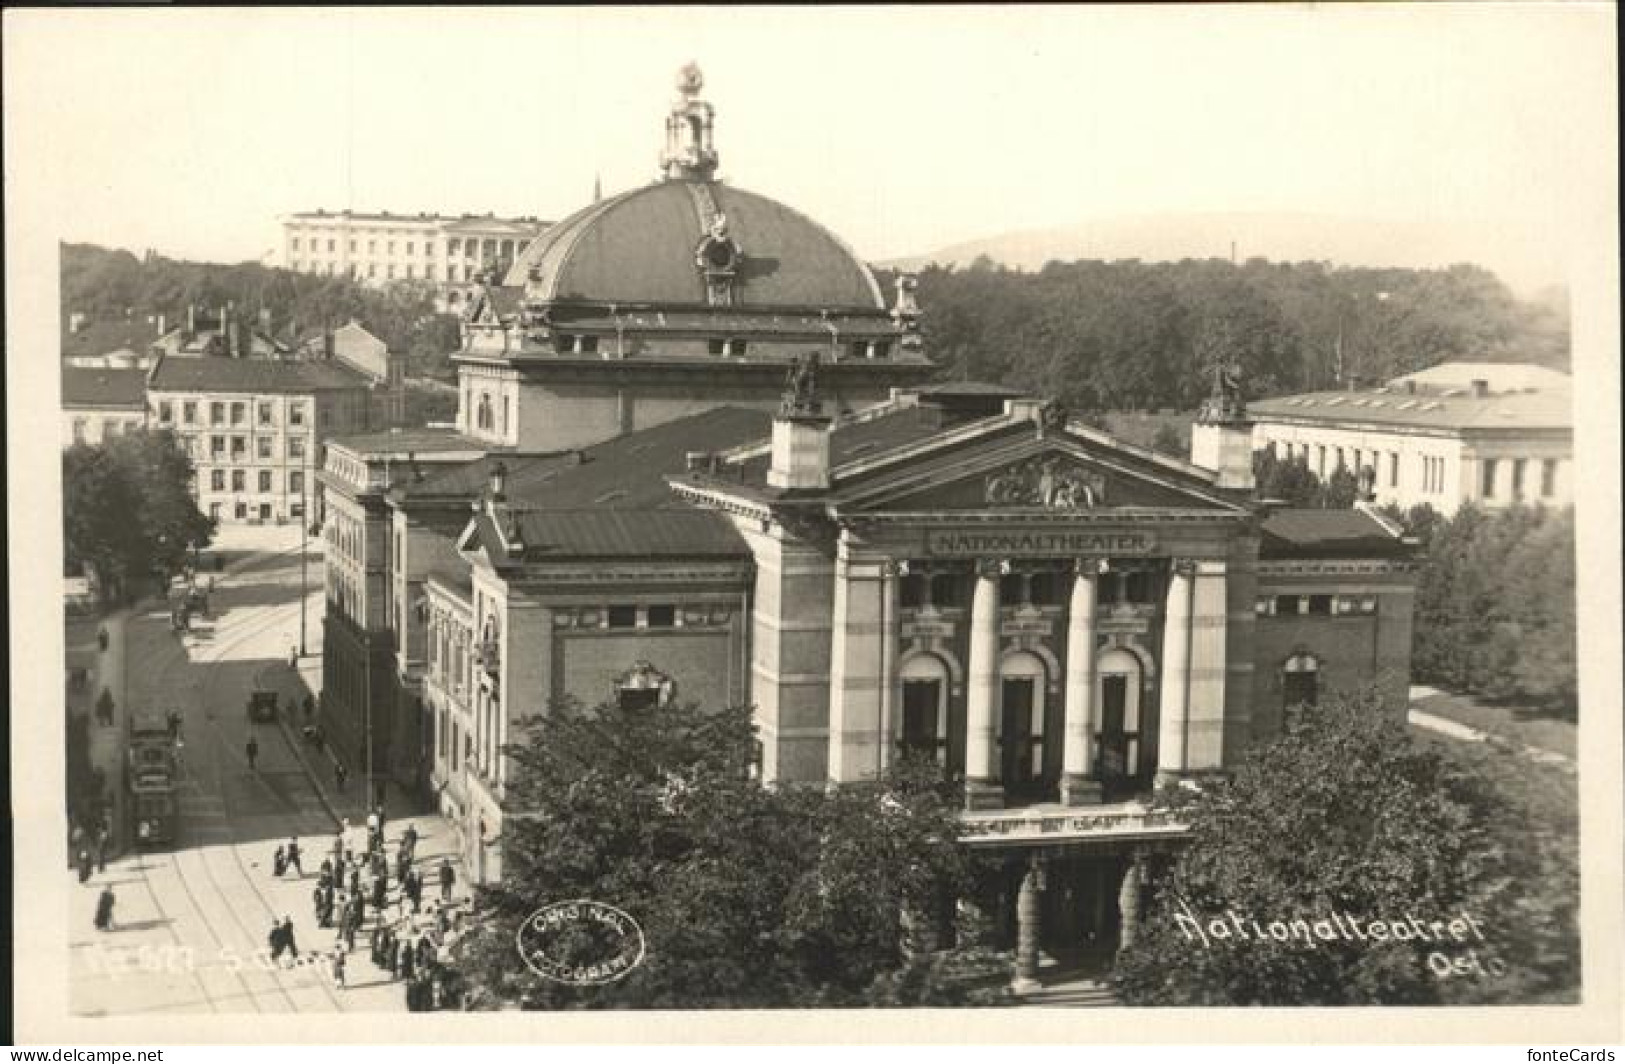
(128, 510)
(747, 896)
(1342, 822)
(1135, 335)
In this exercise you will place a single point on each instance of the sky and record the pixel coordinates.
(902, 129)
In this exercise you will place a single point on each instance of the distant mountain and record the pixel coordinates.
(1522, 261)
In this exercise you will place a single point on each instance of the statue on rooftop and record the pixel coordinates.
(801, 388)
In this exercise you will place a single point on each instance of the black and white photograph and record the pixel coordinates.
(1096, 519)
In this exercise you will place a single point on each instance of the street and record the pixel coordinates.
(192, 917)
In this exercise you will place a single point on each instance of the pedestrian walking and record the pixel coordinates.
(372, 829)
(293, 857)
(325, 876)
(310, 708)
(293, 658)
(338, 968)
(287, 937)
(279, 861)
(276, 941)
(317, 896)
(253, 751)
(85, 864)
(448, 877)
(104, 909)
(408, 960)
(102, 843)
(380, 891)
(409, 840)
(339, 775)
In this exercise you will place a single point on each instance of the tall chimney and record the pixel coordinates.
(191, 318)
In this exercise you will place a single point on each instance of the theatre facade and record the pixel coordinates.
(709, 469)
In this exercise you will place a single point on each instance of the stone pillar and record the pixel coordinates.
(888, 663)
(1128, 904)
(1078, 787)
(1176, 665)
(1204, 717)
(982, 787)
(1026, 979)
(855, 672)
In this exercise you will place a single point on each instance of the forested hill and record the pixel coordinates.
(1136, 335)
(106, 282)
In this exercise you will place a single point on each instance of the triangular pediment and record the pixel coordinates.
(1060, 473)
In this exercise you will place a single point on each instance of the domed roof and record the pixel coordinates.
(643, 246)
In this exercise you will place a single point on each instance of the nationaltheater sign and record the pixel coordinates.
(1037, 542)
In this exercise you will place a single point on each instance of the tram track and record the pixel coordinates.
(193, 870)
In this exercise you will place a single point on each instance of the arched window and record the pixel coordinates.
(483, 418)
(1118, 686)
(1023, 684)
(1300, 680)
(923, 727)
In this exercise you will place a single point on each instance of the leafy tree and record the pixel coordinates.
(747, 896)
(128, 511)
(1345, 816)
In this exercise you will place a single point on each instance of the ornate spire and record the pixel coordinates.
(690, 154)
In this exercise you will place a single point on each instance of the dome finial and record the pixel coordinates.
(690, 154)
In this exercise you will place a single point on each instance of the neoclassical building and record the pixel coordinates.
(876, 565)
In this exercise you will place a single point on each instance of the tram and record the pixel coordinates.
(149, 779)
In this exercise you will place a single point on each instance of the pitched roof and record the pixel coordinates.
(1306, 533)
(1518, 410)
(100, 336)
(409, 440)
(123, 388)
(251, 375)
(611, 533)
(468, 480)
(628, 473)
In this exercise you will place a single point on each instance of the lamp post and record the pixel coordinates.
(304, 541)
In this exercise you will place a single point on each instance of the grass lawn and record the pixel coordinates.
(1517, 723)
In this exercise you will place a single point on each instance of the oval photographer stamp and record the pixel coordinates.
(580, 942)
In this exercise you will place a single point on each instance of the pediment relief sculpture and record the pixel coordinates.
(1048, 482)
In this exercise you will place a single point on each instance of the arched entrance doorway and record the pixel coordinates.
(1023, 680)
(1118, 684)
(1300, 681)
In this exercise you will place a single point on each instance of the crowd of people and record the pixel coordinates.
(370, 891)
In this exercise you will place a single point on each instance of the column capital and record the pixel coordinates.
(1089, 568)
(991, 566)
(1182, 566)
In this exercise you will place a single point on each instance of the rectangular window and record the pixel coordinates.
(217, 480)
(911, 591)
(296, 446)
(1487, 485)
(389, 271)
(411, 271)
(1287, 605)
(265, 480)
(945, 590)
(662, 616)
(1320, 604)
(189, 413)
(238, 412)
(263, 446)
(332, 246)
(352, 247)
(452, 245)
(410, 247)
(1519, 466)
(428, 272)
(166, 411)
(239, 480)
(1320, 459)
(296, 482)
(623, 616)
(79, 426)
(372, 247)
(239, 447)
(717, 347)
(296, 243)
(217, 446)
(296, 413)
(265, 411)
(391, 248)
(1548, 478)
(1393, 469)
(217, 413)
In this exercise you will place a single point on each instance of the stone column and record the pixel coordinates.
(888, 663)
(1205, 706)
(856, 678)
(982, 787)
(1078, 787)
(1176, 666)
(1128, 904)
(1026, 979)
